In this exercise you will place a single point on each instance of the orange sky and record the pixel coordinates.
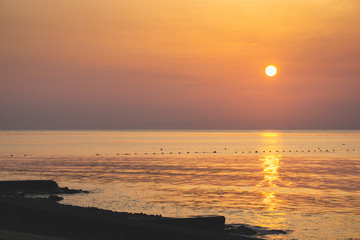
(119, 64)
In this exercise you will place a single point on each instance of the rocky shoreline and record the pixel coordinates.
(35, 187)
(48, 217)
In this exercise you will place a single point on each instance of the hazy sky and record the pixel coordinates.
(189, 64)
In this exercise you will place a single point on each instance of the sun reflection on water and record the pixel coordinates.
(270, 200)
(272, 217)
(270, 165)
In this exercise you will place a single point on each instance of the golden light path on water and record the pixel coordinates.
(269, 188)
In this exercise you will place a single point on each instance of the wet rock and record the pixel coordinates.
(276, 232)
(201, 222)
(55, 198)
(66, 190)
(242, 230)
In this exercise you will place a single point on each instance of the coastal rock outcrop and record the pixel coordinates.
(35, 187)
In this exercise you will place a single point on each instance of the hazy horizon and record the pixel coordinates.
(181, 130)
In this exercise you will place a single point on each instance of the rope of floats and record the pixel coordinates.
(228, 152)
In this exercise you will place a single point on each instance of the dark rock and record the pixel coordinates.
(55, 198)
(66, 190)
(13, 219)
(242, 230)
(35, 187)
(201, 222)
(28, 186)
(44, 217)
(276, 232)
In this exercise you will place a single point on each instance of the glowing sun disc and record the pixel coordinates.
(271, 71)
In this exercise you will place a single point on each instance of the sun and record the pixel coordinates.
(271, 70)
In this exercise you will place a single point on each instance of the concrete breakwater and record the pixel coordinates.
(36, 187)
(45, 216)
(41, 216)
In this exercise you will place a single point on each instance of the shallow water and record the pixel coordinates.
(303, 181)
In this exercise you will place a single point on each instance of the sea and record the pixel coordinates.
(305, 182)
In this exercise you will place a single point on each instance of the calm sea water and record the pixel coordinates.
(307, 182)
